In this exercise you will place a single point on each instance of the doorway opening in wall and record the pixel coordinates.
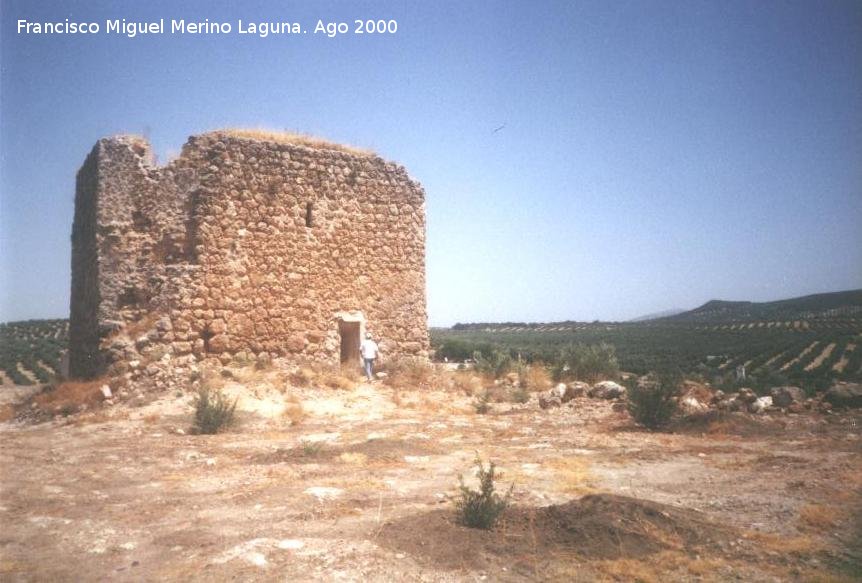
(349, 332)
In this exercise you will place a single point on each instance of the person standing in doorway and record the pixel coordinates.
(369, 351)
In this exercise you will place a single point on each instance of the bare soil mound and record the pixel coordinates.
(599, 526)
(608, 526)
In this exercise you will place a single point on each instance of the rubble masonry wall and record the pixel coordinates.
(243, 245)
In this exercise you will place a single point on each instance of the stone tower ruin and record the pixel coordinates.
(246, 243)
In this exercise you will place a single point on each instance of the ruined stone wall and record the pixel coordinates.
(243, 245)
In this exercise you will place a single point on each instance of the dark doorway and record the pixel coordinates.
(349, 332)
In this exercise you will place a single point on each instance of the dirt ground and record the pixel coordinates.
(359, 486)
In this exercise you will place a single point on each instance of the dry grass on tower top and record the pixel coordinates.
(301, 139)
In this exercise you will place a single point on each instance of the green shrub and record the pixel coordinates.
(496, 364)
(480, 509)
(760, 382)
(520, 395)
(312, 448)
(460, 350)
(213, 411)
(652, 405)
(586, 362)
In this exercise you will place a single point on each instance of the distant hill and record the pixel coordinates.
(838, 308)
(816, 306)
(657, 315)
(809, 341)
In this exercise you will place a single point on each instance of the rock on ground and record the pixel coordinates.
(549, 399)
(785, 396)
(574, 390)
(690, 406)
(844, 395)
(607, 390)
(760, 405)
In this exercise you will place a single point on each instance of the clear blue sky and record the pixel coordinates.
(654, 154)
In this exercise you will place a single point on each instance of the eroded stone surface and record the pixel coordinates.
(242, 247)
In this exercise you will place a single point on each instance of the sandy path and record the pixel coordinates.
(845, 358)
(821, 357)
(800, 356)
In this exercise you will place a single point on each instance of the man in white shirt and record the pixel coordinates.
(369, 351)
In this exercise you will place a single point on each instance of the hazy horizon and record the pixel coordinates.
(582, 161)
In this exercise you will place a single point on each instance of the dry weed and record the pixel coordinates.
(819, 576)
(7, 413)
(535, 378)
(630, 570)
(468, 384)
(211, 379)
(850, 486)
(134, 329)
(151, 418)
(294, 412)
(573, 475)
(69, 396)
(302, 377)
(819, 516)
(315, 374)
(353, 373)
(252, 375)
(338, 381)
(657, 567)
(300, 139)
(358, 459)
(102, 416)
(704, 566)
(786, 544)
(430, 404)
(410, 373)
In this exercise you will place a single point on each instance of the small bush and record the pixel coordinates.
(586, 362)
(481, 404)
(213, 411)
(340, 382)
(294, 412)
(482, 508)
(213, 379)
(409, 372)
(302, 377)
(652, 405)
(520, 395)
(312, 448)
(466, 383)
(69, 397)
(534, 377)
(456, 350)
(819, 516)
(496, 364)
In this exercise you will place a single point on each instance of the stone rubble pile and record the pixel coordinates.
(700, 399)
